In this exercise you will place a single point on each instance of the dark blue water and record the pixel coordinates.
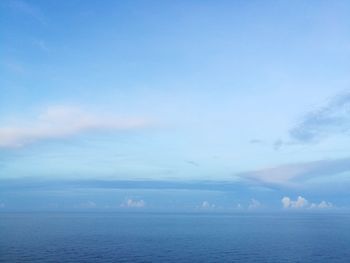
(38, 237)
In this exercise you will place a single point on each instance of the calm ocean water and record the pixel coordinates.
(84, 237)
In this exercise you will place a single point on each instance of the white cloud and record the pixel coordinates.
(286, 202)
(322, 205)
(2, 205)
(301, 202)
(325, 204)
(131, 203)
(61, 122)
(254, 204)
(207, 205)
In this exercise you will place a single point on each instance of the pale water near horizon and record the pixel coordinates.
(113, 237)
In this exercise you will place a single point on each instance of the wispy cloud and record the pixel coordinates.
(332, 119)
(60, 122)
(34, 184)
(301, 203)
(289, 173)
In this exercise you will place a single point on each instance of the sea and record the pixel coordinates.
(187, 237)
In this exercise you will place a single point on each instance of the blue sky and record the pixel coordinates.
(174, 105)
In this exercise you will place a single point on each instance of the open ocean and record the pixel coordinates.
(114, 237)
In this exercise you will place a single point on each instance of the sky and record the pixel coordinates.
(174, 105)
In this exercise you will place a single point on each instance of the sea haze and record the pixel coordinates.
(151, 237)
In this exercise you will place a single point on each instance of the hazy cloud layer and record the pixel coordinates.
(28, 184)
(289, 173)
(211, 196)
(60, 122)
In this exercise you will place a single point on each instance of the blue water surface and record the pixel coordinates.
(141, 237)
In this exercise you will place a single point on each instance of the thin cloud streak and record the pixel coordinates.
(61, 122)
(291, 173)
(33, 184)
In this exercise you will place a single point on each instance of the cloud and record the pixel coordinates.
(2, 205)
(322, 205)
(37, 184)
(301, 203)
(131, 203)
(332, 119)
(288, 173)
(254, 204)
(61, 122)
(207, 205)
